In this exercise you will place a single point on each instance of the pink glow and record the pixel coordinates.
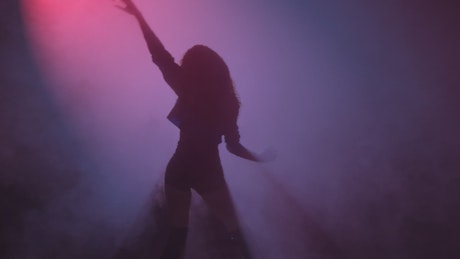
(100, 73)
(356, 97)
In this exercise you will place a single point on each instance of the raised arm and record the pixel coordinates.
(160, 56)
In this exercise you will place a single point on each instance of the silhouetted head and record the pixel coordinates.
(208, 77)
(205, 70)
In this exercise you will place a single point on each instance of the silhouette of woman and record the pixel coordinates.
(206, 109)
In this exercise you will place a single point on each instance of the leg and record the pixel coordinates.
(221, 204)
(178, 205)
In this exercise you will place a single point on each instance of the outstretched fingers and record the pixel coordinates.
(127, 6)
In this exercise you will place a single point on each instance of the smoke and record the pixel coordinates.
(359, 99)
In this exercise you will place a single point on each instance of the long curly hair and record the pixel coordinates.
(209, 82)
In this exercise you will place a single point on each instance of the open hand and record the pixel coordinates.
(127, 6)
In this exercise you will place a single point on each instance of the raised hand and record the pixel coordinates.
(127, 6)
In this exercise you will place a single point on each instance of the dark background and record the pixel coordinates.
(41, 160)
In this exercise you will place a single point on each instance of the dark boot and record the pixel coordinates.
(175, 245)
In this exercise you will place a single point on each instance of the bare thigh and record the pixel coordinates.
(178, 205)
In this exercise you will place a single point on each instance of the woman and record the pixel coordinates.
(206, 109)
